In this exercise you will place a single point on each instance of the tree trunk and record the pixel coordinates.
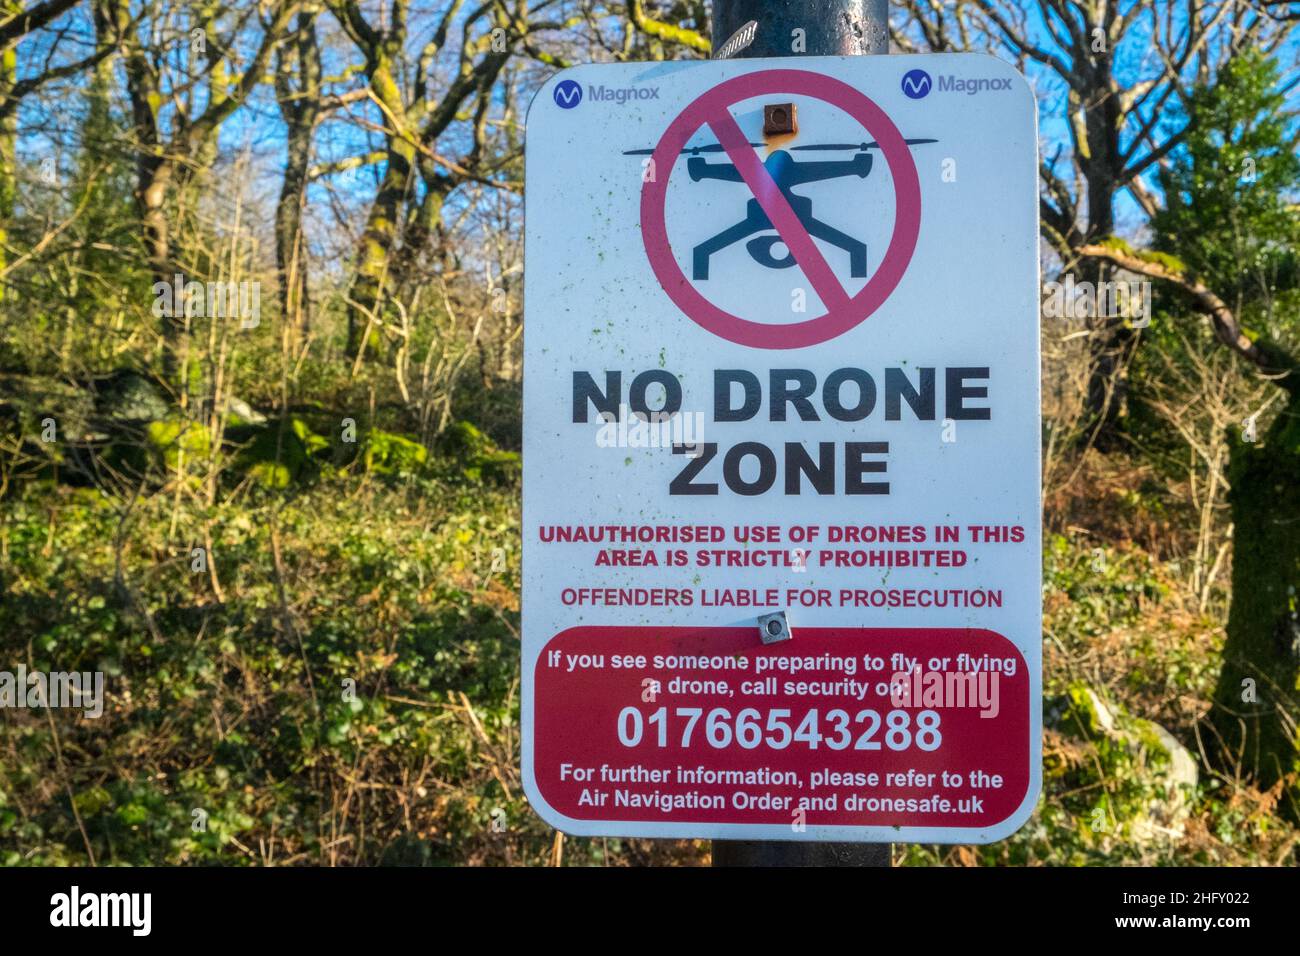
(8, 137)
(290, 247)
(300, 109)
(377, 244)
(422, 226)
(1110, 347)
(383, 224)
(1257, 702)
(152, 185)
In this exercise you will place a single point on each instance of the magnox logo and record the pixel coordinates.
(621, 95)
(916, 84)
(568, 94)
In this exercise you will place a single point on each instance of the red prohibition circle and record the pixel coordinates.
(712, 109)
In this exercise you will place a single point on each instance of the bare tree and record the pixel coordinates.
(19, 23)
(417, 97)
(1118, 73)
(183, 83)
(1256, 713)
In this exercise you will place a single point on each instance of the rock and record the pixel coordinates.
(1102, 721)
(30, 400)
(391, 454)
(478, 457)
(1159, 774)
(171, 436)
(276, 459)
(241, 413)
(126, 396)
(1176, 771)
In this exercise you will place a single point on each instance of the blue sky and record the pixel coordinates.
(52, 115)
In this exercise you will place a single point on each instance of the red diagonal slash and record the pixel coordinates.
(777, 207)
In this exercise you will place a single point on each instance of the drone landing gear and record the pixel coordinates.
(857, 250)
(705, 250)
(760, 248)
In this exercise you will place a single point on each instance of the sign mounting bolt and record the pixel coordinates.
(779, 119)
(774, 628)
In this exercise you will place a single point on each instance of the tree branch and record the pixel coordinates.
(1266, 355)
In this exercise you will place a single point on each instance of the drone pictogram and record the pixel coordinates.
(786, 172)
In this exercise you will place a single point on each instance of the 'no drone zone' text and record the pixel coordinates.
(846, 395)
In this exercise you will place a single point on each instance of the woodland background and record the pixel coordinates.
(233, 520)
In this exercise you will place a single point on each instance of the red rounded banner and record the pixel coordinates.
(869, 727)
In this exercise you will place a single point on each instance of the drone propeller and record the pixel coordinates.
(690, 150)
(718, 147)
(909, 142)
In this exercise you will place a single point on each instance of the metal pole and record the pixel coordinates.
(829, 28)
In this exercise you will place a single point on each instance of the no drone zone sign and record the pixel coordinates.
(781, 520)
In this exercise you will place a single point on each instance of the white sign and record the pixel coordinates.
(782, 546)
